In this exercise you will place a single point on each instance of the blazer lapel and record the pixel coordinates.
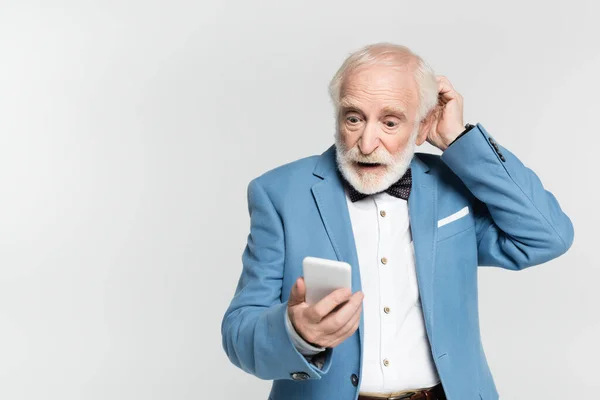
(422, 206)
(330, 199)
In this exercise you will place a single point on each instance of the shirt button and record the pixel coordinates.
(386, 362)
(354, 380)
(382, 213)
(386, 310)
(383, 260)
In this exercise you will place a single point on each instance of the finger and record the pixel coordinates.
(443, 79)
(298, 293)
(446, 91)
(334, 321)
(348, 325)
(317, 312)
(346, 331)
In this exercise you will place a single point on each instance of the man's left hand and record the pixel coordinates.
(448, 116)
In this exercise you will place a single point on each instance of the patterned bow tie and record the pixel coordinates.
(400, 189)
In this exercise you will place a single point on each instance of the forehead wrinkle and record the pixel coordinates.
(350, 103)
(405, 95)
(362, 100)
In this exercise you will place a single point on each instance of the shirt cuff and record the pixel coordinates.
(468, 127)
(301, 345)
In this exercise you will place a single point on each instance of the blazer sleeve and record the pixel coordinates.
(518, 223)
(254, 333)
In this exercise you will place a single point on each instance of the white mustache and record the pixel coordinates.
(380, 156)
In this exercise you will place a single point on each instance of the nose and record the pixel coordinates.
(369, 140)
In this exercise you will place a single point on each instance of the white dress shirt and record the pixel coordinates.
(396, 352)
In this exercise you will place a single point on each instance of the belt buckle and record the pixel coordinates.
(405, 396)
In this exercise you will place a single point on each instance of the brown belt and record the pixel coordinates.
(433, 393)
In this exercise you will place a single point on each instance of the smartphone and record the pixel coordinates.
(323, 276)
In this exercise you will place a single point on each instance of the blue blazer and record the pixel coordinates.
(299, 209)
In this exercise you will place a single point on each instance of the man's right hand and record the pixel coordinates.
(328, 322)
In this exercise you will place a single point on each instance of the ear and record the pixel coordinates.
(425, 126)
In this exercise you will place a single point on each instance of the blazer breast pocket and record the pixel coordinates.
(456, 222)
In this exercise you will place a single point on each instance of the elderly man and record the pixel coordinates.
(413, 226)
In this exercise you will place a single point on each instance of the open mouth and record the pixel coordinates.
(368, 165)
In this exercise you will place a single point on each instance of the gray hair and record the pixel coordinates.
(393, 55)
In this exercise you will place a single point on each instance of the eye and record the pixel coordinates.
(353, 119)
(390, 124)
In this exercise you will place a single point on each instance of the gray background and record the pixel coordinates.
(130, 130)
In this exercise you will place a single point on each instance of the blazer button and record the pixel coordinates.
(354, 379)
(299, 376)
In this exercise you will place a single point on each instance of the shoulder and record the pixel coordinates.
(434, 163)
(432, 160)
(292, 173)
(446, 178)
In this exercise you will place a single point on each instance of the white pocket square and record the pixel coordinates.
(453, 217)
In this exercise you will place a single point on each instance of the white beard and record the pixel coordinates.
(376, 181)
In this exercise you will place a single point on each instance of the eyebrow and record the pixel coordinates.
(394, 110)
(347, 105)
